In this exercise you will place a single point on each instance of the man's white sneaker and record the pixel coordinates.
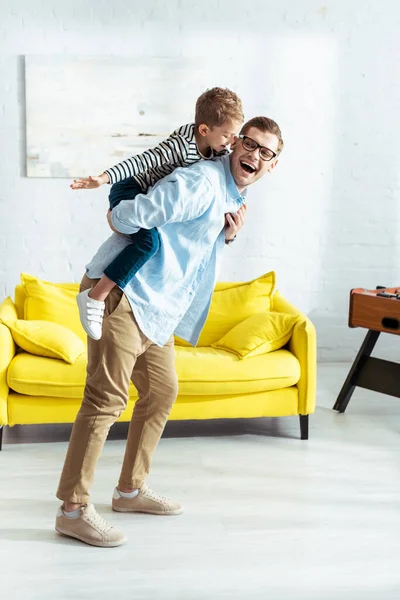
(91, 313)
(146, 501)
(89, 527)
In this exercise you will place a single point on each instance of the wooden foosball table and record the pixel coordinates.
(378, 311)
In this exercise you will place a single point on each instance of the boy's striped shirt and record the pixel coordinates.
(178, 150)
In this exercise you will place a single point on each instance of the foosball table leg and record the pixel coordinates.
(351, 381)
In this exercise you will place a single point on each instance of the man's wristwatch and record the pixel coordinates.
(230, 241)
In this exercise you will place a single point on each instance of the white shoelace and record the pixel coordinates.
(153, 496)
(93, 518)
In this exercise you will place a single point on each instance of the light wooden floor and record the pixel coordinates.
(267, 515)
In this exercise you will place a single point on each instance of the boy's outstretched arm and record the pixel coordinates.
(171, 151)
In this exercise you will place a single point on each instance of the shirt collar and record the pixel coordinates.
(231, 188)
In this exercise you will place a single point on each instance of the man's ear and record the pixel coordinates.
(273, 165)
(234, 143)
(203, 129)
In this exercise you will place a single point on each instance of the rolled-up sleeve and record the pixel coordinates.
(182, 196)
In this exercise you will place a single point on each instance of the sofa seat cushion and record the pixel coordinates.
(201, 371)
(209, 371)
(39, 376)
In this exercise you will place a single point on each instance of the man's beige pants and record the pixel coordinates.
(122, 354)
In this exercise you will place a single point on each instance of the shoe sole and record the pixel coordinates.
(82, 312)
(91, 542)
(171, 513)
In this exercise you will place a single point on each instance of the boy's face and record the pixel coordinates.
(221, 137)
(247, 166)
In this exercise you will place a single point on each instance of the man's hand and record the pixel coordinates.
(110, 222)
(89, 183)
(234, 223)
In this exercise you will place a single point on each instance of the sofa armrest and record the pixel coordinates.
(7, 353)
(303, 344)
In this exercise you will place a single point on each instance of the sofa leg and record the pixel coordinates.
(304, 427)
(1, 436)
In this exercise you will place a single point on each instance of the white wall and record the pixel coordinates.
(326, 220)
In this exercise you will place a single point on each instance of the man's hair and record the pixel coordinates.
(217, 106)
(266, 126)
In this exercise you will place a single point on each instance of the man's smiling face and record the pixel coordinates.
(247, 166)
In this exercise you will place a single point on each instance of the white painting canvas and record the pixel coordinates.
(87, 114)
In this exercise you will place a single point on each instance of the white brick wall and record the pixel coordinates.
(326, 220)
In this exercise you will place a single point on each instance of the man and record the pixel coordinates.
(171, 293)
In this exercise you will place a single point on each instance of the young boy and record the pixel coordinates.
(218, 119)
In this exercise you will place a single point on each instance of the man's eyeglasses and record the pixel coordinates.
(251, 145)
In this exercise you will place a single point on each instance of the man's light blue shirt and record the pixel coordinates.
(172, 291)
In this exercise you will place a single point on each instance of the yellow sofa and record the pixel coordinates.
(214, 383)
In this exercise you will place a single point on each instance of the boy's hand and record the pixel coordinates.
(234, 223)
(89, 183)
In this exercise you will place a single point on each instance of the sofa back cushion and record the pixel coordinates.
(55, 302)
(234, 302)
(8, 311)
(47, 339)
(19, 300)
(261, 333)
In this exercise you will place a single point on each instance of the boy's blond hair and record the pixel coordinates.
(218, 106)
(266, 126)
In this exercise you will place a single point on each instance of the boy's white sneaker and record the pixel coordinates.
(91, 313)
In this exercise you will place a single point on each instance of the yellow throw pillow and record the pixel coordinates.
(8, 311)
(55, 302)
(46, 339)
(233, 302)
(259, 334)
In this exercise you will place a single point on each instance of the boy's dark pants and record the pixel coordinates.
(145, 243)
